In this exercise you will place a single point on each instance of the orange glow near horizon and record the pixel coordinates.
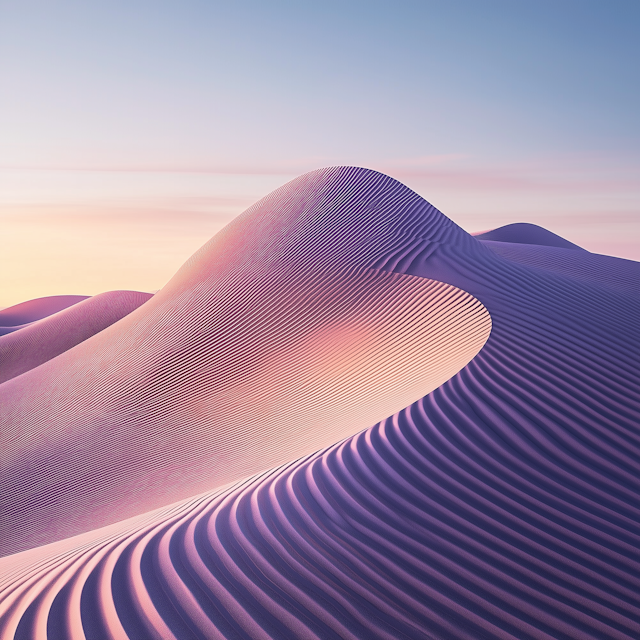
(49, 254)
(89, 232)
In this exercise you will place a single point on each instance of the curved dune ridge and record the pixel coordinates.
(44, 339)
(273, 341)
(503, 504)
(21, 315)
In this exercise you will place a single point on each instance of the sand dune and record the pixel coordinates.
(42, 340)
(21, 315)
(614, 274)
(503, 504)
(276, 339)
(525, 233)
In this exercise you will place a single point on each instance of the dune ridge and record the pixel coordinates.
(503, 504)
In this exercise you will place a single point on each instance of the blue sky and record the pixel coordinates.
(206, 84)
(489, 109)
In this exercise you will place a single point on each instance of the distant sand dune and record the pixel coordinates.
(21, 315)
(41, 340)
(503, 504)
(525, 233)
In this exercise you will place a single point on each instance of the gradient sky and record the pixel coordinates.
(132, 131)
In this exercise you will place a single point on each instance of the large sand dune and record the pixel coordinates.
(503, 504)
(278, 338)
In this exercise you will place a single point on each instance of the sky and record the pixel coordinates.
(131, 132)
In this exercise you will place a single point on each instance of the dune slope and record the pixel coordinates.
(24, 313)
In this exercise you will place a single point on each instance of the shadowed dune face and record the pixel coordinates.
(45, 339)
(21, 315)
(503, 504)
(272, 342)
(607, 272)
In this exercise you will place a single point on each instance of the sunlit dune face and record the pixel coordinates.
(365, 345)
(335, 352)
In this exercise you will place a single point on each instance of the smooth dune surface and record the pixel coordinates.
(503, 504)
(22, 314)
(44, 339)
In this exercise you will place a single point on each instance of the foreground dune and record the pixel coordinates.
(503, 504)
